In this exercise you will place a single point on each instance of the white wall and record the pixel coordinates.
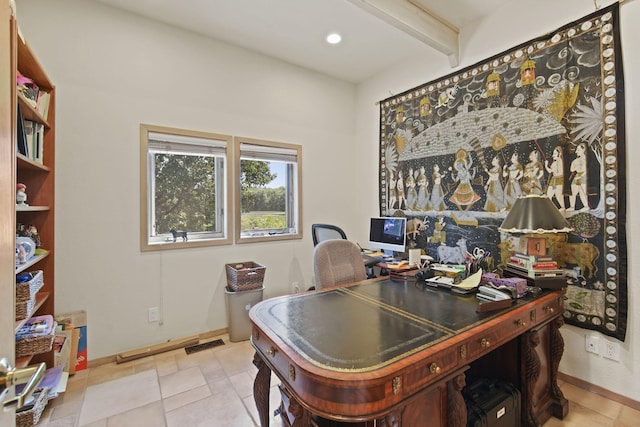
(514, 23)
(114, 70)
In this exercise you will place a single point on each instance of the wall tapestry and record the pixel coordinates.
(545, 117)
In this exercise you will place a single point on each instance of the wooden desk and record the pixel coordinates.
(378, 352)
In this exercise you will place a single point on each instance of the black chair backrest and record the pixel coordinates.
(322, 232)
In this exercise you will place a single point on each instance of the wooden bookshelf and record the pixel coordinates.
(40, 181)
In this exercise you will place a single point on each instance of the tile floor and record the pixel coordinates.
(214, 388)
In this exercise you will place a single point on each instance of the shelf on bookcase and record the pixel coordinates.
(32, 261)
(41, 297)
(30, 113)
(23, 362)
(23, 208)
(27, 163)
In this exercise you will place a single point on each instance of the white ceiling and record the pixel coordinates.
(294, 30)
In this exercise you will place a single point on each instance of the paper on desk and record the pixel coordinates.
(470, 282)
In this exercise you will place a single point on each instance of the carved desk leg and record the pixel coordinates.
(456, 408)
(532, 373)
(302, 417)
(261, 387)
(393, 419)
(560, 403)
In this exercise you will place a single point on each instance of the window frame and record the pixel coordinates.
(227, 217)
(297, 182)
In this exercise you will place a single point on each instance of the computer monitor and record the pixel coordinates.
(388, 234)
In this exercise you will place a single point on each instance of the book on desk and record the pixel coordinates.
(550, 280)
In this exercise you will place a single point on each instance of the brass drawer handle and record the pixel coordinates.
(520, 323)
(485, 343)
(271, 351)
(434, 368)
(549, 309)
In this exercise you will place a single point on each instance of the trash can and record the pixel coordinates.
(238, 306)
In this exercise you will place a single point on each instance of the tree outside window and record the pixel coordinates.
(185, 182)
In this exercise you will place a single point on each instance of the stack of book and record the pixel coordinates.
(535, 266)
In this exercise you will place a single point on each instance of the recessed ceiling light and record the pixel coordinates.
(334, 38)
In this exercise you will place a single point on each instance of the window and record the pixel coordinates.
(268, 188)
(185, 178)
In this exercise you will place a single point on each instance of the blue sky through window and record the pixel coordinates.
(280, 169)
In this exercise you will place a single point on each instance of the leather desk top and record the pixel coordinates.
(368, 325)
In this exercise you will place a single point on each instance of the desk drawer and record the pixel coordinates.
(550, 309)
(486, 341)
(271, 355)
(431, 369)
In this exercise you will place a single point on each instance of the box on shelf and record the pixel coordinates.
(243, 276)
(35, 336)
(27, 286)
(77, 323)
(30, 414)
(24, 308)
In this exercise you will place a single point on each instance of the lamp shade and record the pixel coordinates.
(534, 214)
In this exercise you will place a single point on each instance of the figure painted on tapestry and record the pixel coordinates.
(463, 195)
(399, 115)
(437, 195)
(579, 179)
(527, 72)
(392, 189)
(532, 176)
(495, 192)
(423, 191)
(513, 173)
(400, 190)
(447, 96)
(493, 84)
(439, 235)
(425, 107)
(556, 181)
(411, 193)
(400, 133)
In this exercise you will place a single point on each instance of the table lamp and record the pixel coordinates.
(535, 214)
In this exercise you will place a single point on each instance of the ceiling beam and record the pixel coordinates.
(417, 22)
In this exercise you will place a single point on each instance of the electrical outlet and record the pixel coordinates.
(154, 314)
(592, 344)
(611, 351)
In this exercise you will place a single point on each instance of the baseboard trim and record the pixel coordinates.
(592, 388)
(156, 348)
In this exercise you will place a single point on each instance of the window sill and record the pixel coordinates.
(266, 237)
(162, 246)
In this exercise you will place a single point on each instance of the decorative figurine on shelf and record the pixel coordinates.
(178, 233)
(21, 255)
(21, 195)
(29, 231)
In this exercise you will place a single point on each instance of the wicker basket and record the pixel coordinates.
(26, 290)
(244, 276)
(30, 417)
(37, 345)
(24, 308)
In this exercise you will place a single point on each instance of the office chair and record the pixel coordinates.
(336, 262)
(322, 232)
